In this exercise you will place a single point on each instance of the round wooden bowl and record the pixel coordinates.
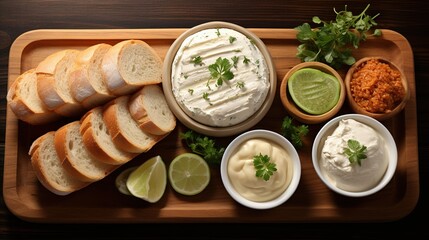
(188, 120)
(297, 112)
(358, 109)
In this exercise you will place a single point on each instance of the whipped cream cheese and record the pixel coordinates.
(241, 170)
(200, 96)
(336, 166)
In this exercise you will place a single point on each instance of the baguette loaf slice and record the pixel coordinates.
(98, 141)
(124, 130)
(47, 166)
(87, 85)
(25, 103)
(150, 110)
(130, 64)
(53, 84)
(74, 156)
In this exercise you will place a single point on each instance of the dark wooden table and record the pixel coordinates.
(405, 17)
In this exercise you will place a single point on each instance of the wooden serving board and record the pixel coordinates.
(101, 202)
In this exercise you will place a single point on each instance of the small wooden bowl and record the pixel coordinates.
(358, 109)
(297, 112)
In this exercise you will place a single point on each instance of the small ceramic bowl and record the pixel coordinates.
(186, 118)
(297, 112)
(294, 164)
(358, 109)
(391, 152)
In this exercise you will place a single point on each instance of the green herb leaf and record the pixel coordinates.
(264, 168)
(221, 70)
(292, 132)
(355, 151)
(331, 42)
(197, 60)
(232, 39)
(203, 146)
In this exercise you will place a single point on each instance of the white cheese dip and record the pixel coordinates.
(336, 166)
(198, 94)
(242, 172)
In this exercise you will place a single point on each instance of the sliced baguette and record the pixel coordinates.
(74, 156)
(130, 64)
(47, 166)
(86, 80)
(53, 85)
(98, 141)
(150, 110)
(25, 103)
(124, 130)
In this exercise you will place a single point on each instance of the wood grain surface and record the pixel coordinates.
(18, 17)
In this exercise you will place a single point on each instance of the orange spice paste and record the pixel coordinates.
(376, 87)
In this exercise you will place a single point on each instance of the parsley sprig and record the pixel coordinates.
(264, 168)
(293, 133)
(331, 43)
(204, 146)
(221, 70)
(355, 151)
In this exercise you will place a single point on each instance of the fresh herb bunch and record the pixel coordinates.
(331, 43)
(204, 146)
(355, 151)
(292, 132)
(264, 168)
(221, 70)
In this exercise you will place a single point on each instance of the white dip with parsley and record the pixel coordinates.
(242, 172)
(336, 165)
(219, 77)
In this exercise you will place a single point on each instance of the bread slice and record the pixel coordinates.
(53, 84)
(74, 156)
(87, 85)
(125, 132)
(130, 64)
(47, 166)
(25, 103)
(150, 110)
(98, 141)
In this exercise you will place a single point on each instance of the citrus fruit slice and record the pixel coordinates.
(149, 180)
(189, 174)
(314, 91)
(121, 180)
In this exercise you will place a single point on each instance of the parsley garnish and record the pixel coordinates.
(204, 146)
(246, 60)
(221, 70)
(264, 168)
(191, 91)
(234, 61)
(197, 60)
(293, 133)
(232, 39)
(355, 151)
(240, 84)
(206, 96)
(331, 42)
(217, 32)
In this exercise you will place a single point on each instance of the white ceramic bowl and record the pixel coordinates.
(281, 141)
(392, 153)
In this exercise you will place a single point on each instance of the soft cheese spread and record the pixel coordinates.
(240, 92)
(352, 176)
(241, 170)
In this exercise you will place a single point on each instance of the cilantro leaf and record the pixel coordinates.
(292, 132)
(221, 70)
(264, 168)
(355, 151)
(203, 146)
(331, 42)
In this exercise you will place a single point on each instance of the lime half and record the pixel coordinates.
(314, 91)
(189, 174)
(149, 180)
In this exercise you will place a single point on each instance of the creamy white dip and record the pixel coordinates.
(242, 173)
(336, 166)
(200, 96)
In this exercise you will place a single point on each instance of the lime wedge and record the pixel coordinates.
(121, 180)
(189, 174)
(149, 180)
(314, 91)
